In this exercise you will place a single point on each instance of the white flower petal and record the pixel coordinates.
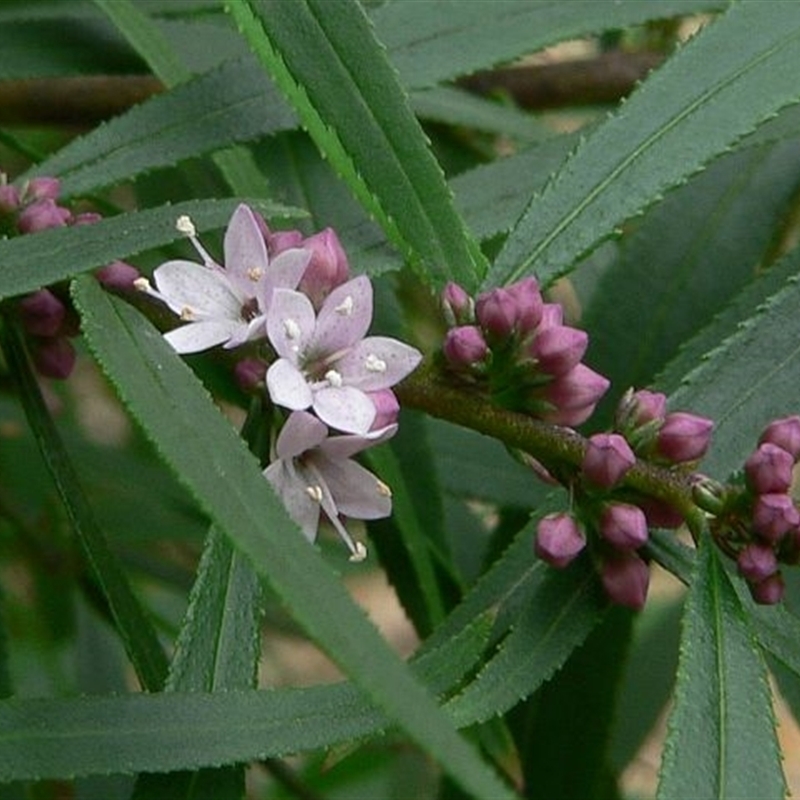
(301, 432)
(290, 486)
(357, 492)
(290, 323)
(378, 362)
(344, 408)
(339, 448)
(345, 316)
(248, 331)
(206, 293)
(285, 272)
(197, 336)
(246, 260)
(287, 386)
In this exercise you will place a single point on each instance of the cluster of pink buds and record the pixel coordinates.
(519, 348)
(757, 523)
(608, 518)
(46, 315)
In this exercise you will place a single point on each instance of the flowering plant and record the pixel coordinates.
(301, 307)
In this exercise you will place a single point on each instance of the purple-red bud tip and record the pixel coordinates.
(41, 215)
(558, 540)
(54, 357)
(559, 348)
(528, 299)
(118, 275)
(328, 267)
(579, 388)
(464, 346)
(757, 562)
(774, 515)
(769, 469)
(624, 526)
(768, 592)
(784, 433)
(606, 460)
(457, 305)
(279, 241)
(387, 408)
(9, 198)
(626, 580)
(250, 375)
(41, 313)
(684, 437)
(496, 311)
(42, 189)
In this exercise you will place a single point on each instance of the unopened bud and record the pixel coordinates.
(769, 469)
(552, 314)
(43, 188)
(638, 408)
(528, 299)
(464, 346)
(327, 269)
(784, 433)
(768, 592)
(558, 349)
(774, 515)
(53, 357)
(558, 540)
(606, 460)
(579, 388)
(387, 408)
(684, 437)
(41, 313)
(496, 311)
(9, 198)
(458, 307)
(118, 275)
(626, 580)
(41, 215)
(757, 562)
(623, 526)
(280, 241)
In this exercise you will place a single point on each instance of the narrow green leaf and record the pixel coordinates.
(52, 255)
(439, 40)
(232, 103)
(557, 618)
(668, 129)
(748, 380)
(201, 446)
(720, 223)
(325, 58)
(132, 622)
(721, 741)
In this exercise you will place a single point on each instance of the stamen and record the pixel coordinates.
(255, 274)
(360, 553)
(315, 493)
(334, 378)
(383, 489)
(185, 226)
(374, 364)
(345, 308)
(291, 328)
(187, 314)
(143, 285)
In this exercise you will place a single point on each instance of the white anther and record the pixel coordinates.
(143, 285)
(374, 364)
(383, 489)
(291, 328)
(255, 274)
(187, 315)
(345, 308)
(334, 378)
(359, 554)
(185, 226)
(315, 493)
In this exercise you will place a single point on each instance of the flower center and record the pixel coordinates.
(249, 309)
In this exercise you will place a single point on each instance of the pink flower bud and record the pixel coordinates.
(9, 198)
(457, 305)
(53, 357)
(552, 314)
(626, 579)
(785, 433)
(43, 189)
(464, 346)
(579, 388)
(623, 526)
(559, 348)
(279, 241)
(757, 562)
(118, 276)
(528, 298)
(774, 515)
(327, 269)
(558, 540)
(684, 437)
(250, 375)
(768, 592)
(496, 311)
(606, 460)
(387, 408)
(41, 313)
(645, 406)
(41, 215)
(769, 469)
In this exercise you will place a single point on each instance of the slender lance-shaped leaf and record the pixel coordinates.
(209, 458)
(30, 262)
(134, 626)
(325, 58)
(721, 741)
(667, 130)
